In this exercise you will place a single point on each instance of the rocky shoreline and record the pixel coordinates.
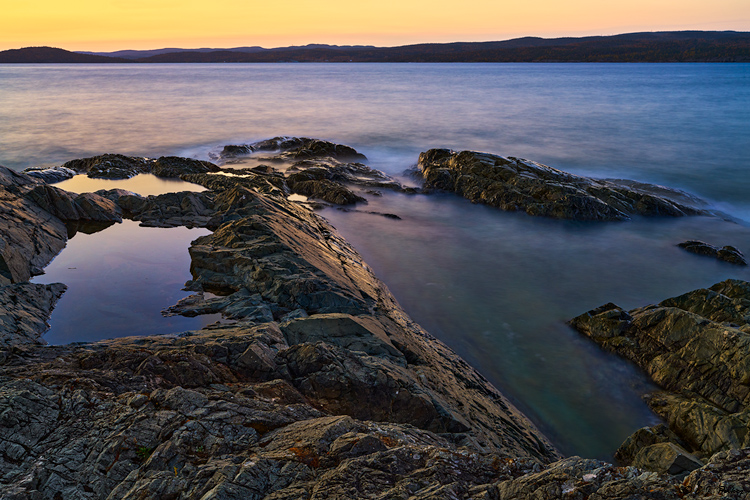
(320, 386)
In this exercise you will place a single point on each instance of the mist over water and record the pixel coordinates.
(497, 287)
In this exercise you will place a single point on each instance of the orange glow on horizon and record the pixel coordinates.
(106, 25)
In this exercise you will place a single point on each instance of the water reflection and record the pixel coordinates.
(143, 184)
(118, 281)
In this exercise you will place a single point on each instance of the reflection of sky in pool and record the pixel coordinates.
(143, 184)
(119, 280)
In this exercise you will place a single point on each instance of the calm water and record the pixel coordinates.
(496, 287)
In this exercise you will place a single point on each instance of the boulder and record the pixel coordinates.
(666, 458)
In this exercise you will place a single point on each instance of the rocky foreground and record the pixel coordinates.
(320, 386)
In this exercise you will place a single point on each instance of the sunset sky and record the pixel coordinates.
(106, 25)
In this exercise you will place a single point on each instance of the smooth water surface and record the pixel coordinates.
(496, 287)
(119, 280)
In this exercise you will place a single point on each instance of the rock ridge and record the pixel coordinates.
(515, 184)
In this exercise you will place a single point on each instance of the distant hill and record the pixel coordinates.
(669, 46)
(139, 54)
(52, 55)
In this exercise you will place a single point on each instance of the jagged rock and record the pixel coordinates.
(110, 166)
(295, 148)
(29, 235)
(697, 347)
(24, 311)
(727, 253)
(175, 166)
(50, 175)
(666, 458)
(70, 207)
(323, 189)
(185, 208)
(515, 184)
(644, 437)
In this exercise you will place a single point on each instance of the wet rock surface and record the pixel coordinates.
(727, 253)
(697, 347)
(515, 184)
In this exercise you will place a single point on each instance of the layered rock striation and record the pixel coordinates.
(515, 184)
(697, 347)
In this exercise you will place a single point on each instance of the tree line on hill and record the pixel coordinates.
(679, 46)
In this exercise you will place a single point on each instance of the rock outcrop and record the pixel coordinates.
(294, 149)
(24, 311)
(727, 253)
(116, 166)
(29, 235)
(697, 347)
(515, 184)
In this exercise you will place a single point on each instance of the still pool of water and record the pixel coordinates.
(496, 287)
(118, 281)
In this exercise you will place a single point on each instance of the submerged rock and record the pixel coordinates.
(697, 347)
(727, 253)
(515, 184)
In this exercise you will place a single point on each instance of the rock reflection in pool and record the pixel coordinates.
(119, 280)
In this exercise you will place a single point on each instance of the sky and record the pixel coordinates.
(108, 25)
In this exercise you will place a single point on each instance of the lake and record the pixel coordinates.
(497, 287)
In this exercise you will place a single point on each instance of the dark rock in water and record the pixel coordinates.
(110, 166)
(71, 207)
(50, 175)
(728, 253)
(174, 166)
(296, 148)
(232, 151)
(323, 189)
(115, 166)
(697, 347)
(24, 311)
(515, 184)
